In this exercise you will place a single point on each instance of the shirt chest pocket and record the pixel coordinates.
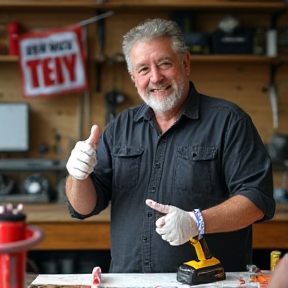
(127, 164)
(194, 169)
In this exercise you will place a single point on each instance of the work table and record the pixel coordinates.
(62, 232)
(143, 280)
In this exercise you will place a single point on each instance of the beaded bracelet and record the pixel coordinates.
(200, 223)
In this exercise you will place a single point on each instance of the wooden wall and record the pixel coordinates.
(71, 116)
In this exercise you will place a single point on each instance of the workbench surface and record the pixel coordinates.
(152, 280)
(94, 232)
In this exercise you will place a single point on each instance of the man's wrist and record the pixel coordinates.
(199, 222)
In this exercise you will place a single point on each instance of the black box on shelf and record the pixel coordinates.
(238, 42)
(197, 42)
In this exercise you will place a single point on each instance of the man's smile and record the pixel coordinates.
(160, 89)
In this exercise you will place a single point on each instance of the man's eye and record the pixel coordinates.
(143, 70)
(165, 65)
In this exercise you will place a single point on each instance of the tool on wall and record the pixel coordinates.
(6, 185)
(113, 97)
(84, 107)
(36, 184)
(205, 269)
(34, 189)
(101, 56)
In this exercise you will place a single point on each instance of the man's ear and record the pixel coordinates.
(132, 78)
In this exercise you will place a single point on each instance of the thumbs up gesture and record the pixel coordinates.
(83, 157)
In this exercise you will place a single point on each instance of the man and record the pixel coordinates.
(193, 164)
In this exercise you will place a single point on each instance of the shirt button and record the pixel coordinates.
(164, 140)
(149, 214)
(153, 190)
(144, 239)
(158, 165)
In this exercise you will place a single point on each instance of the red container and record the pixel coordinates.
(15, 239)
(13, 36)
(12, 265)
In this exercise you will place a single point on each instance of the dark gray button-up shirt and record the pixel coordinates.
(211, 153)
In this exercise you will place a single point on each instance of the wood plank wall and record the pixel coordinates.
(243, 83)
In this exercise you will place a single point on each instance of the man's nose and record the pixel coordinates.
(156, 75)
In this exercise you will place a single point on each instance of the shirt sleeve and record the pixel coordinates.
(248, 166)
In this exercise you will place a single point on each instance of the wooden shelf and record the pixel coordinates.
(118, 4)
(196, 58)
(7, 58)
(220, 58)
(236, 58)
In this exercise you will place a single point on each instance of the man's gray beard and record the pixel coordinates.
(169, 102)
(163, 106)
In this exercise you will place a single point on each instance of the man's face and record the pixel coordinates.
(160, 74)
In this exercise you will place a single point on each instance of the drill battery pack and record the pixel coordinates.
(193, 276)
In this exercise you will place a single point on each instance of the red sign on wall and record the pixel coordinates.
(52, 62)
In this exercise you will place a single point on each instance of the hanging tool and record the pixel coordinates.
(205, 269)
(101, 36)
(84, 107)
(7, 186)
(101, 57)
(112, 99)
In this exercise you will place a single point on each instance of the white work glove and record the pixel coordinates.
(177, 226)
(96, 277)
(83, 157)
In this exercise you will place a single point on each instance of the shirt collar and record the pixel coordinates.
(191, 109)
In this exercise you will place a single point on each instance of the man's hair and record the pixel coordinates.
(149, 30)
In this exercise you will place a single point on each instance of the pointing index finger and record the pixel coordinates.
(157, 206)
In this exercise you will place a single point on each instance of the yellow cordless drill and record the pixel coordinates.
(205, 269)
